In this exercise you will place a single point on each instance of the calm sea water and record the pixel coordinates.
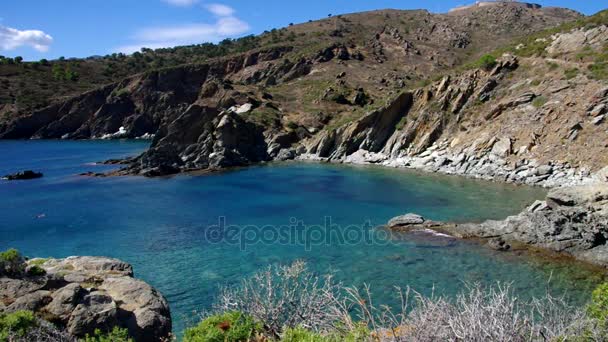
(166, 227)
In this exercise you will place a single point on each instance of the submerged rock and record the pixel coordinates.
(24, 175)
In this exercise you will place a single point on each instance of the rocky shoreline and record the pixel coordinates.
(439, 159)
(571, 221)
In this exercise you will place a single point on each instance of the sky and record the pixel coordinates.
(36, 29)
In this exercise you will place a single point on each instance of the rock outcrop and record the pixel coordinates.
(570, 220)
(81, 294)
(23, 175)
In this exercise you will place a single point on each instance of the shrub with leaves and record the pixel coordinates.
(16, 324)
(11, 262)
(487, 62)
(230, 326)
(116, 335)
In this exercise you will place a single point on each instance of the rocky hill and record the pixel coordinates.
(401, 88)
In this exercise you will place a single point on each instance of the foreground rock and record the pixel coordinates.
(24, 175)
(81, 294)
(570, 220)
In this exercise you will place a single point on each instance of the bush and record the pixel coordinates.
(295, 305)
(286, 297)
(598, 308)
(539, 101)
(487, 62)
(229, 326)
(35, 271)
(302, 335)
(16, 324)
(11, 262)
(571, 73)
(116, 335)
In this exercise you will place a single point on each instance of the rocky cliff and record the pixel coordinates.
(331, 88)
(82, 294)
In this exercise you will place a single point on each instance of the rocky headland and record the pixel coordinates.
(81, 294)
(570, 220)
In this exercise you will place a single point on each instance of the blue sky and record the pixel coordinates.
(38, 29)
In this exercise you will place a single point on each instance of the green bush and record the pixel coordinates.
(11, 262)
(303, 335)
(487, 62)
(571, 73)
(359, 334)
(539, 101)
(17, 323)
(116, 335)
(229, 326)
(598, 308)
(36, 270)
(599, 70)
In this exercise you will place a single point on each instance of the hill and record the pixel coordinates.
(407, 88)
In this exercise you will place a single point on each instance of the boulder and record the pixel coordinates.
(64, 301)
(87, 293)
(144, 310)
(96, 311)
(406, 220)
(502, 148)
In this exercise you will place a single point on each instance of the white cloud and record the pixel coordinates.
(11, 39)
(182, 3)
(220, 10)
(226, 25)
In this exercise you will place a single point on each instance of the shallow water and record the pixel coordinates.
(166, 227)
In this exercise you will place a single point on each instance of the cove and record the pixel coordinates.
(165, 226)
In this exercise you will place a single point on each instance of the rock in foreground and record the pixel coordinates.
(82, 294)
(25, 175)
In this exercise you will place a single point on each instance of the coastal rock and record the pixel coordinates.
(87, 293)
(573, 221)
(96, 311)
(406, 220)
(24, 175)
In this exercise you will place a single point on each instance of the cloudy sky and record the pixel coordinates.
(38, 29)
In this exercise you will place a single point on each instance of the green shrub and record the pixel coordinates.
(229, 326)
(17, 323)
(11, 262)
(38, 261)
(116, 335)
(571, 73)
(539, 101)
(303, 335)
(36, 270)
(487, 62)
(598, 308)
(359, 334)
(599, 70)
(552, 65)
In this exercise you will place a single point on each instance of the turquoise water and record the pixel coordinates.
(166, 227)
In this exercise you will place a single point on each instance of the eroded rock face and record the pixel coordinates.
(81, 294)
